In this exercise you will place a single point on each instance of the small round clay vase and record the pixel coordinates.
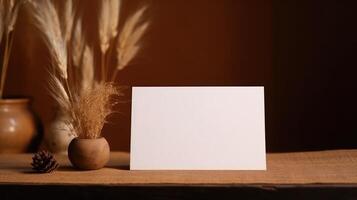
(89, 154)
(17, 125)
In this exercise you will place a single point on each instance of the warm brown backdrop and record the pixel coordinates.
(291, 47)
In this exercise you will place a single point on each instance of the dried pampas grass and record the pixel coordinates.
(8, 16)
(67, 21)
(108, 22)
(14, 7)
(130, 25)
(127, 49)
(128, 42)
(58, 92)
(114, 17)
(9, 13)
(77, 43)
(92, 108)
(84, 96)
(87, 69)
(108, 25)
(104, 26)
(88, 110)
(47, 20)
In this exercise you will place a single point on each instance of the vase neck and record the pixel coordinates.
(14, 103)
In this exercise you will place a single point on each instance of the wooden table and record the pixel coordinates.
(289, 175)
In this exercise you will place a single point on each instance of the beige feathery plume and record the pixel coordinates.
(125, 56)
(87, 68)
(8, 7)
(67, 20)
(114, 17)
(127, 46)
(92, 109)
(58, 92)
(128, 50)
(47, 21)
(13, 15)
(104, 25)
(89, 104)
(136, 35)
(9, 12)
(108, 22)
(131, 24)
(77, 43)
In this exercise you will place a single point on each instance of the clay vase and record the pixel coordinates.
(89, 154)
(17, 125)
(58, 135)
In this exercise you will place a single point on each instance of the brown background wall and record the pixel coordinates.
(287, 46)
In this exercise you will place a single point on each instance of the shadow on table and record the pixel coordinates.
(121, 167)
(71, 168)
(68, 168)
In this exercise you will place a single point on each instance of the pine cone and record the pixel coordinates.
(44, 162)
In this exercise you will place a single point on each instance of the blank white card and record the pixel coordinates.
(197, 128)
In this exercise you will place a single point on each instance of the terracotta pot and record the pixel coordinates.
(17, 125)
(89, 154)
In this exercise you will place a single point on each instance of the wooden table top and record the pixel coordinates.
(338, 167)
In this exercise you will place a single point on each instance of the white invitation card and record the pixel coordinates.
(198, 128)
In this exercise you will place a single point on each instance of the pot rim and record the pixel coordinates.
(78, 138)
(14, 101)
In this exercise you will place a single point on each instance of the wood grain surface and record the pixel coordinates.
(338, 167)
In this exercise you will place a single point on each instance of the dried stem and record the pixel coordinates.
(8, 17)
(77, 43)
(5, 64)
(114, 75)
(87, 69)
(102, 60)
(108, 60)
(2, 16)
(8, 46)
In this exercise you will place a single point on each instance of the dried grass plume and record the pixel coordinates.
(77, 43)
(128, 45)
(87, 69)
(86, 97)
(67, 19)
(108, 22)
(47, 20)
(92, 109)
